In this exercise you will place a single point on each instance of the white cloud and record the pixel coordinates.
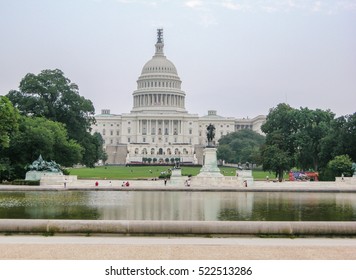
(317, 6)
(270, 6)
(194, 3)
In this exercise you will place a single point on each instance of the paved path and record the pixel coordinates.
(174, 248)
(141, 185)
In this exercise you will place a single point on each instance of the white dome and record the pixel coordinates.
(159, 64)
(159, 86)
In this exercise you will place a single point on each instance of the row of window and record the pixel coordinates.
(111, 141)
(242, 126)
(159, 132)
(158, 84)
(161, 151)
(159, 69)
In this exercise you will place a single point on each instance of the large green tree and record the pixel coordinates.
(8, 121)
(39, 136)
(278, 154)
(53, 96)
(9, 118)
(240, 147)
(313, 126)
(309, 139)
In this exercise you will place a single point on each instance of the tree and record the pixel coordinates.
(278, 155)
(313, 127)
(93, 146)
(51, 95)
(39, 136)
(276, 160)
(9, 117)
(341, 165)
(241, 146)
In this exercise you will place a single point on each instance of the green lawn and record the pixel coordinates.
(143, 172)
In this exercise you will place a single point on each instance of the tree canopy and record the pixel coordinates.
(55, 122)
(306, 139)
(53, 96)
(8, 121)
(240, 147)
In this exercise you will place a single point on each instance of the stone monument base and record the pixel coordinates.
(37, 175)
(176, 178)
(210, 165)
(246, 176)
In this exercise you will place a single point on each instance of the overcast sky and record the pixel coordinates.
(239, 57)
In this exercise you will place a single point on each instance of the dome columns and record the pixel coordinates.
(158, 99)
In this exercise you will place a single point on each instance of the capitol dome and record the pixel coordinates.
(159, 86)
(159, 64)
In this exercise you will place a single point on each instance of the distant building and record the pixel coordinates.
(158, 128)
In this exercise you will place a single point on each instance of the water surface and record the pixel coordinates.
(185, 206)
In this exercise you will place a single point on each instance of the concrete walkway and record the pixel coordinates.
(143, 185)
(165, 248)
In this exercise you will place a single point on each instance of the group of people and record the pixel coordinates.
(125, 184)
(187, 183)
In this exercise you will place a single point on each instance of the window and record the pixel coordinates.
(128, 140)
(143, 139)
(104, 132)
(111, 132)
(190, 131)
(117, 132)
(128, 130)
(153, 139)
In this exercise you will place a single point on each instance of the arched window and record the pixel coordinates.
(152, 151)
(144, 151)
(136, 151)
(160, 151)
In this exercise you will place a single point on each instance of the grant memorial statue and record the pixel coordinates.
(210, 163)
(40, 167)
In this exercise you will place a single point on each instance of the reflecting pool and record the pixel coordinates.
(189, 206)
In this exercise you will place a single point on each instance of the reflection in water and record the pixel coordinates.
(191, 206)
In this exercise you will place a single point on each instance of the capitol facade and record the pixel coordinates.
(159, 129)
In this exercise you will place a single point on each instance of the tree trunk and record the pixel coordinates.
(280, 175)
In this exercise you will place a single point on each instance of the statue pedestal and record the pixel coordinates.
(37, 175)
(210, 164)
(246, 175)
(176, 178)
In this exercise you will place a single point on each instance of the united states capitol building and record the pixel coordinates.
(159, 129)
